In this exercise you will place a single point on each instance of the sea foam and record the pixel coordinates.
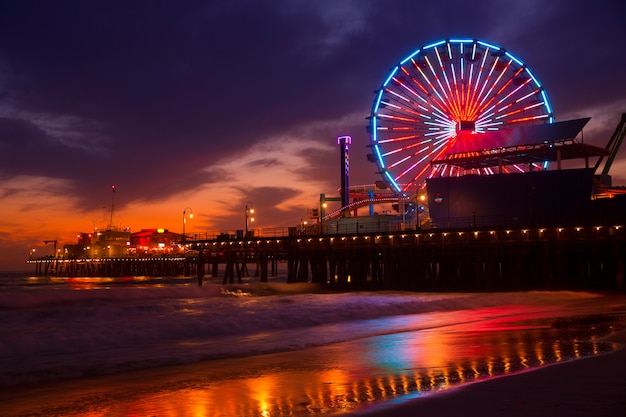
(66, 333)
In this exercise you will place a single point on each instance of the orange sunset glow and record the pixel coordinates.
(213, 108)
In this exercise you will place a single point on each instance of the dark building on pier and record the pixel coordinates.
(532, 197)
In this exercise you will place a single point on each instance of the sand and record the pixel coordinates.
(317, 381)
(594, 386)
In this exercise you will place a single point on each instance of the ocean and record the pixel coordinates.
(145, 346)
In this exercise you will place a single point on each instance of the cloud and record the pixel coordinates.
(65, 130)
(340, 22)
(38, 206)
(512, 21)
(282, 175)
(604, 119)
(213, 104)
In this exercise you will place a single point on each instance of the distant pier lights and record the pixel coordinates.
(344, 142)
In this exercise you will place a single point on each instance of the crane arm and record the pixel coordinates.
(614, 145)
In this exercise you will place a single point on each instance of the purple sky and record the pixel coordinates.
(212, 104)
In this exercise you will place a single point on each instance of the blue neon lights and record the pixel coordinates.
(379, 156)
(380, 96)
(488, 45)
(381, 163)
(408, 58)
(432, 45)
(393, 72)
(392, 181)
(533, 77)
(547, 103)
(461, 40)
(517, 61)
(373, 128)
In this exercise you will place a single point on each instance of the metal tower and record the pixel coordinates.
(343, 142)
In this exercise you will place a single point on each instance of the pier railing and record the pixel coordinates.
(239, 234)
(476, 259)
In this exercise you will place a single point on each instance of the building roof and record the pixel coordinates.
(524, 145)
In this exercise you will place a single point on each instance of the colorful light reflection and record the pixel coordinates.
(337, 379)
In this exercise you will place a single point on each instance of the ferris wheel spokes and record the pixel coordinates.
(441, 90)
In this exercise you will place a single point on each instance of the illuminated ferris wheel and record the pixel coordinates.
(447, 92)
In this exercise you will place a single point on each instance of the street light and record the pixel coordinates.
(322, 213)
(185, 219)
(419, 198)
(249, 213)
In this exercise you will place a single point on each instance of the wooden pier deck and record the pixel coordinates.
(583, 258)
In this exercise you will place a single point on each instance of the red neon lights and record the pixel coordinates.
(445, 89)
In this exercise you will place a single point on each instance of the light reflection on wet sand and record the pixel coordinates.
(327, 380)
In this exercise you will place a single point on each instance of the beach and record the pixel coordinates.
(594, 386)
(106, 348)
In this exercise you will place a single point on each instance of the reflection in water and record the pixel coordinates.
(94, 283)
(336, 379)
(91, 283)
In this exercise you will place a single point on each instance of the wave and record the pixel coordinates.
(65, 333)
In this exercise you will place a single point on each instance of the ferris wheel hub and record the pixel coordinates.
(466, 126)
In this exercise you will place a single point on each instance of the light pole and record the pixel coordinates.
(419, 198)
(185, 219)
(249, 213)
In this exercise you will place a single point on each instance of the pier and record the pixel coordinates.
(527, 228)
(574, 258)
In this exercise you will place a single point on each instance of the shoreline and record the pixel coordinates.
(372, 375)
(590, 386)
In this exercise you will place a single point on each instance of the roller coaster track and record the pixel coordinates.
(366, 202)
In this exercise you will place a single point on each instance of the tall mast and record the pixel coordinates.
(112, 207)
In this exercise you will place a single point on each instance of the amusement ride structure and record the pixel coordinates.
(445, 93)
(465, 107)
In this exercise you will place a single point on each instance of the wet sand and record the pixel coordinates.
(399, 374)
(594, 386)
